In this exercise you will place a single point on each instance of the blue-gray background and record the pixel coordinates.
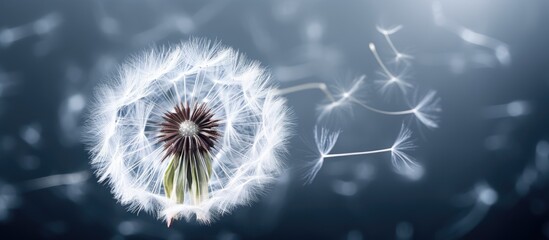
(493, 129)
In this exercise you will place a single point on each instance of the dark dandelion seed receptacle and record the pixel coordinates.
(188, 134)
(189, 130)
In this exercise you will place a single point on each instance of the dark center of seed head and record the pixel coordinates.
(188, 130)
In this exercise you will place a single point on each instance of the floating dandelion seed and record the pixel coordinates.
(425, 110)
(325, 141)
(387, 32)
(500, 49)
(480, 199)
(391, 79)
(402, 163)
(190, 131)
(342, 101)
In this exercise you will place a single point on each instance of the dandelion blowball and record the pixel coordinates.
(191, 131)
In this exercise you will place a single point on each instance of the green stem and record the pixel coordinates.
(188, 173)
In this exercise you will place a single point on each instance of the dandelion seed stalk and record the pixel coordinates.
(307, 86)
(333, 155)
(392, 45)
(403, 112)
(380, 62)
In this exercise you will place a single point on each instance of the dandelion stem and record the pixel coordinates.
(307, 86)
(357, 153)
(378, 59)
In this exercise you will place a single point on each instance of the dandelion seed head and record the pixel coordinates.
(198, 99)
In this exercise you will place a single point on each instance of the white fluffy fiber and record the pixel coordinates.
(122, 127)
